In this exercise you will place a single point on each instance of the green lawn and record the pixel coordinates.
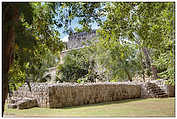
(152, 107)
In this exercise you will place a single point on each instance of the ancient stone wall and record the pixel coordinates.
(171, 91)
(72, 94)
(144, 91)
(39, 91)
(67, 94)
(62, 95)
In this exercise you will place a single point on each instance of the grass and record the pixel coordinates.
(152, 107)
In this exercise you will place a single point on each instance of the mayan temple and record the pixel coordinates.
(77, 41)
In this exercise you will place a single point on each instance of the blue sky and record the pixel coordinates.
(74, 24)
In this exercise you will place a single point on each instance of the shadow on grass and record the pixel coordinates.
(103, 103)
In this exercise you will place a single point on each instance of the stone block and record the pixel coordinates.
(27, 103)
(12, 106)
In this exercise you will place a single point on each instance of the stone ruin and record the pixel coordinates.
(22, 98)
(79, 40)
(68, 94)
(73, 94)
(59, 95)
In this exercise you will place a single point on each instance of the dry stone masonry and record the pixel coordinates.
(73, 94)
(67, 94)
(79, 94)
(156, 88)
(24, 98)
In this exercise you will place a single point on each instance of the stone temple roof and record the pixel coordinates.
(78, 40)
(82, 33)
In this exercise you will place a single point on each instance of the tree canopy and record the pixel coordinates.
(133, 36)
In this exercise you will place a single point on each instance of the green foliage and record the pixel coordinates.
(16, 76)
(165, 65)
(37, 43)
(121, 61)
(81, 66)
(84, 13)
(128, 28)
(75, 66)
(141, 25)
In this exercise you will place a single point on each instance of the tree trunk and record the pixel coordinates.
(126, 71)
(154, 71)
(149, 62)
(15, 88)
(9, 21)
(128, 74)
(142, 65)
(147, 57)
(29, 86)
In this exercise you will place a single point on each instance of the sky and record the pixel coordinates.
(64, 36)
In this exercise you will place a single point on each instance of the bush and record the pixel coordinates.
(75, 66)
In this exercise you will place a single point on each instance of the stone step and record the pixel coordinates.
(26, 103)
(160, 93)
(152, 86)
(162, 96)
(156, 90)
(12, 106)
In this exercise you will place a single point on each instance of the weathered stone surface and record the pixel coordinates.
(81, 39)
(14, 100)
(26, 103)
(39, 91)
(167, 89)
(12, 106)
(62, 95)
(171, 91)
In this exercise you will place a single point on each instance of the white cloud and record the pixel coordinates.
(65, 39)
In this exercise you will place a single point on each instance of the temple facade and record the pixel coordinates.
(77, 41)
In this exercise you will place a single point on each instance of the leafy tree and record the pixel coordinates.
(74, 67)
(32, 22)
(81, 65)
(27, 31)
(84, 13)
(148, 25)
(119, 58)
(11, 13)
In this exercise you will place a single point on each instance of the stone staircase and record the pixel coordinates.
(155, 91)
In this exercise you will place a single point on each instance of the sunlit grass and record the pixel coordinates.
(152, 107)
